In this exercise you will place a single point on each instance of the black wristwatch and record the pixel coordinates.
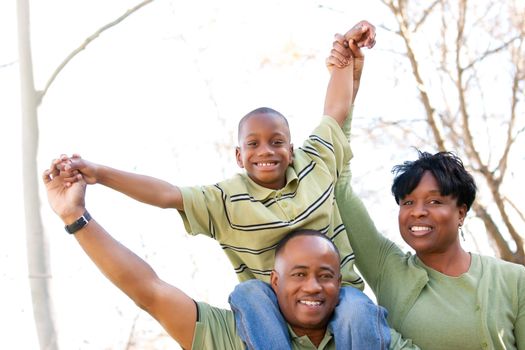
(79, 223)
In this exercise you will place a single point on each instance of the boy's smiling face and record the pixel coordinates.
(265, 150)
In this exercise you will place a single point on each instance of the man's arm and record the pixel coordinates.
(143, 188)
(173, 309)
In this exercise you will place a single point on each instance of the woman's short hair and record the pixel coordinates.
(448, 170)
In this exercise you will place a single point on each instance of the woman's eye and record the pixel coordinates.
(406, 202)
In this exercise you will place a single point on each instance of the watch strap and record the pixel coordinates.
(79, 223)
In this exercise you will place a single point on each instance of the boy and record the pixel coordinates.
(280, 191)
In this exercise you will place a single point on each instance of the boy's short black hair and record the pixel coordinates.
(261, 110)
(303, 232)
(448, 170)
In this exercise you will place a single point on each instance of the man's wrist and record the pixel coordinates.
(79, 222)
(71, 214)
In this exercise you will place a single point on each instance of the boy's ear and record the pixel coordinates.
(291, 153)
(238, 157)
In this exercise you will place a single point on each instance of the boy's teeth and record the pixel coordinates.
(310, 303)
(420, 228)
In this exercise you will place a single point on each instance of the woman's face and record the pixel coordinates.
(429, 221)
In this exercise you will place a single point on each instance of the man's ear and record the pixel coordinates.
(291, 153)
(238, 157)
(274, 277)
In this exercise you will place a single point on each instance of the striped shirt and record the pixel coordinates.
(248, 220)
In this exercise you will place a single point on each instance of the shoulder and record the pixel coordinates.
(503, 270)
(500, 264)
(328, 129)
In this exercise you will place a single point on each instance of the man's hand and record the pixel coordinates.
(66, 201)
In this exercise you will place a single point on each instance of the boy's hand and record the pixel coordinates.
(340, 55)
(347, 46)
(71, 167)
(343, 52)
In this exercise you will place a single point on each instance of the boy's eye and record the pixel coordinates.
(251, 143)
(278, 142)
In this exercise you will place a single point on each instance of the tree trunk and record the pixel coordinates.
(37, 245)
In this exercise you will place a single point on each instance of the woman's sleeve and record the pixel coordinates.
(519, 327)
(370, 247)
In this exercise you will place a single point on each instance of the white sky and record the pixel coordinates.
(138, 98)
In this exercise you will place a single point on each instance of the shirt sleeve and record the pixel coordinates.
(519, 327)
(397, 342)
(201, 205)
(215, 329)
(328, 145)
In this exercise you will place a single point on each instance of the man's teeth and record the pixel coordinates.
(420, 228)
(310, 303)
(265, 164)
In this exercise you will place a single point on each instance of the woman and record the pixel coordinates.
(443, 297)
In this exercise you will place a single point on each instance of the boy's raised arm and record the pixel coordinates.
(143, 188)
(346, 65)
(174, 310)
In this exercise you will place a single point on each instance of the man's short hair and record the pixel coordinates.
(303, 232)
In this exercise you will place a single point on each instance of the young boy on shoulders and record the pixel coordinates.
(281, 190)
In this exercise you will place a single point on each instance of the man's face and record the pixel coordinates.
(264, 149)
(306, 279)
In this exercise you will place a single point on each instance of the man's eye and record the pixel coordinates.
(298, 274)
(278, 142)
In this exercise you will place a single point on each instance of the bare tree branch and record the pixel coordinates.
(8, 64)
(426, 13)
(491, 52)
(86, 42)
(492, 228)
(515, 207)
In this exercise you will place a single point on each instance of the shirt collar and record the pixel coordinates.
(305, 340)
(259, 192)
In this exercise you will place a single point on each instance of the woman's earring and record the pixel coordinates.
(461, 232)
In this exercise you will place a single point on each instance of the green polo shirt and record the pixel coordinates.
(249, 220)
(215, 329)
